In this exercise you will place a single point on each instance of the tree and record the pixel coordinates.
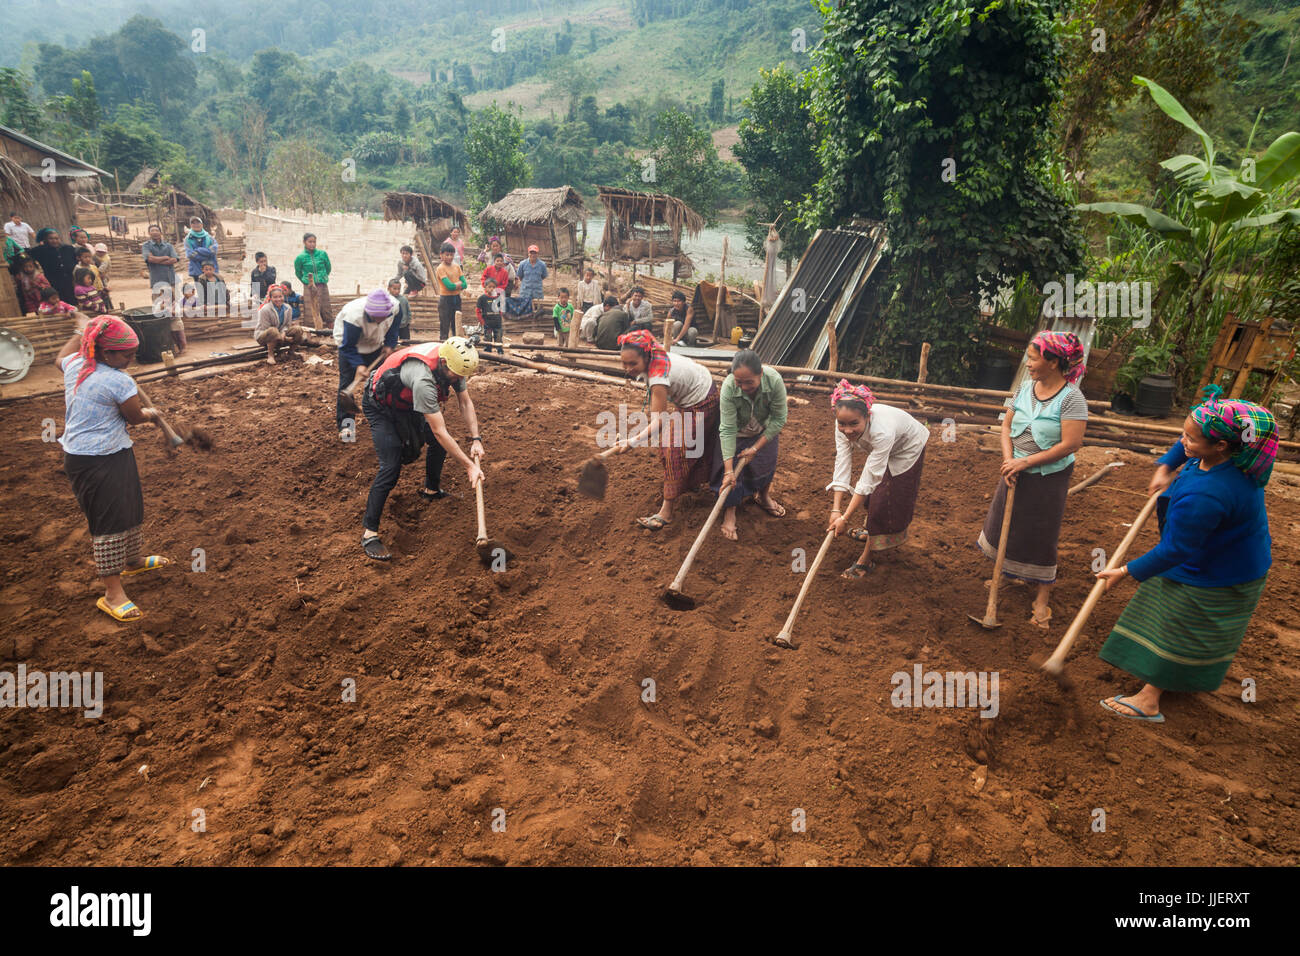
(494, 154)
(1187, 47)
(1218, 218)
(301, 176)
(683, 162)
(778, 149)
(16, 108)
(936, 118)
(717, 102)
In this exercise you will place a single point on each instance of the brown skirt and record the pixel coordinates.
(891, 506)
(1035, 525)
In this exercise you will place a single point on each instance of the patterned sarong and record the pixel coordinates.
(1179, 637)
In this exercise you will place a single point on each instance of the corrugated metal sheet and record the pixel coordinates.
(826, 286)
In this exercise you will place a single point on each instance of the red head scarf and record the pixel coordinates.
(1066, 345)
(859, 393)
(645, 342)
(108, 332)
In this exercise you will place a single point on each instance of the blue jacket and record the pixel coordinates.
(1213, 527)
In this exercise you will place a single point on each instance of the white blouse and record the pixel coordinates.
(893, 439)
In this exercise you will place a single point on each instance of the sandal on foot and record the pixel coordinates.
(776, 510)
(438, 495)
(859, 534)
(652, 523)
(1137, 714)
(856, 571)
(149, 564)
(126, 613)
(1041, 621)
(374, 548)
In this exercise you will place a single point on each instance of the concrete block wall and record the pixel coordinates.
(361, 250)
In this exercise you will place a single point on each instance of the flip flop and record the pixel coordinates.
(123, 612)
(859, 534)
(652, 523)
(374, 549)
(1042, 623)
(776, 511)
(438, 495)
(150, 563)
(1140, 715)
(856, 571)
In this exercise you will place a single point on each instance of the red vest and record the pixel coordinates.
(386, 386)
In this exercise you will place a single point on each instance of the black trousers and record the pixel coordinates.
(388, 446)
(448, 306)
(347, 372)
(492, 333)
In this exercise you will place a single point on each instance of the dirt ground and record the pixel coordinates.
(519, 697)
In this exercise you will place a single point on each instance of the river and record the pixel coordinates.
(705, 251)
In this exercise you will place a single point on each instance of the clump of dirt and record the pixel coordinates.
(285, 700)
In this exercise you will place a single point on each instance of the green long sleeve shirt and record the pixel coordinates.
(312, 264)
(768, 406)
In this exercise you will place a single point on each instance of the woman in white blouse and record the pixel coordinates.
(890, 479)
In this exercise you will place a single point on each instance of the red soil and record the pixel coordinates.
(522, 690)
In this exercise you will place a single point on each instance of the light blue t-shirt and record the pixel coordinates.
(530, 279)
(94, 424)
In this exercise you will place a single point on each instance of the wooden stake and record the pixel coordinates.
(925, 363)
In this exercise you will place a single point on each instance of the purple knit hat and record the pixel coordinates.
(379, 304)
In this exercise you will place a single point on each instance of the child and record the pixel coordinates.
(86, 260)
(88, 297)
(458, 244)
(490, 306)
(31, 284)
(292, 299)
(214, 290)
(589, 291)
(451, 281)
(562, 314)
(191, 306)
(403, 311)
(52, 305)
(263, 277)
(497, 270)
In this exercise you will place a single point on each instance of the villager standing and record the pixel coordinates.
(57, 260)
(1039, 439)
(365, 329)
(312, 267)
(451, 282)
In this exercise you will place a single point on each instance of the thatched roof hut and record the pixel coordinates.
(434, 217)
(175, 210)
(646, 228)
(547, 218)
(52, 178)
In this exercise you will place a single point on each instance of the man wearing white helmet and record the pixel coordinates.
(403, 403)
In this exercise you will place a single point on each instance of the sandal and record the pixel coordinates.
(1137, 714)
(374, 548)
(776, 510)
(149, 564)
(860, 534)
(126, 613)
(438, 495)
(1042, 622)
(856, 571)
(652, 523)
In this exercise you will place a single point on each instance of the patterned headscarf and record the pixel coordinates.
(657, 364)
(1234, 420)
(1067, 346)
(109, 332)
(859, 393)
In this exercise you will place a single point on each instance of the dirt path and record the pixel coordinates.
(524, 691)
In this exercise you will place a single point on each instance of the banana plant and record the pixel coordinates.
(1226, 207)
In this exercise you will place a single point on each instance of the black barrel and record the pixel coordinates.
(1155, 396)
(996, 372)
(154, 332)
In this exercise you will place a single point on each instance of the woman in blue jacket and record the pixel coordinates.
(1199, 586)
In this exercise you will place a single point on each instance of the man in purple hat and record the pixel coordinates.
(365, 331)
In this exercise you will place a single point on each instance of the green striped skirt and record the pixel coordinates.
(1180, 637)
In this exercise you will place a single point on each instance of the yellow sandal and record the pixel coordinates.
(151, 563)
(126, 613)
